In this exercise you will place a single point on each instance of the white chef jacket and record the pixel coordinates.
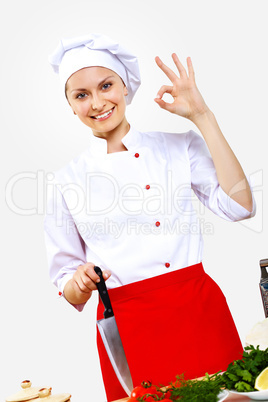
(132, 212)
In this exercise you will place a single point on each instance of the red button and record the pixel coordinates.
(157, 223)
(167, 264)
(137, 155)
(147, 187)
(60, 293)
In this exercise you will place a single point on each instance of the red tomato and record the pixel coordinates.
(149, 399)
(138, 391)
(152, 389)
(144, 389)
(167, 395)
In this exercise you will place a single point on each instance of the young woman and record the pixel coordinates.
(125, 205)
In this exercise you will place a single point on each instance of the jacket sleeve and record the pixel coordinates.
(205, 183)
(65, 247)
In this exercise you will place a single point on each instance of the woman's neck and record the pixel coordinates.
(115, 147)
(114, 138)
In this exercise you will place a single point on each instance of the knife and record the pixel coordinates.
(111, 337)
(264, 285)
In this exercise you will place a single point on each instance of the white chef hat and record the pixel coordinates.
(91, 50)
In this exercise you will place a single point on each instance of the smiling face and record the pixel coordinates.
(97, 97)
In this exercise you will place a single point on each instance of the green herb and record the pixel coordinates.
(204, 390)
(241, 374)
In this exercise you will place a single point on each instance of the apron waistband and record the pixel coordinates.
(133, 289)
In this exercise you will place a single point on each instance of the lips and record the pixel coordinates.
(103, 116)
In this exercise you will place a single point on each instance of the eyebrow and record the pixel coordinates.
(99, 84)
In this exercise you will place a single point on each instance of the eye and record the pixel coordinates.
(106, 86)
(81, 96)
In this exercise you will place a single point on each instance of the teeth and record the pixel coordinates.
(103, 115)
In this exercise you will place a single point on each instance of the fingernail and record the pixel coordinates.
(158, 96)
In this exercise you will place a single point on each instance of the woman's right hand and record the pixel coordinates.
(79, 289)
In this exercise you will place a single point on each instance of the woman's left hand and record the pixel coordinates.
(188, 101)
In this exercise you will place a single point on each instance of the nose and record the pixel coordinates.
(98, 102)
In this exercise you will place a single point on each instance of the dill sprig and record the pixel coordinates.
(204, 390)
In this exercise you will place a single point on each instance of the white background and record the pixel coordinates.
(42, 337)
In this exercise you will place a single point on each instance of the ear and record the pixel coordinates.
(68, 99)
(125, 91)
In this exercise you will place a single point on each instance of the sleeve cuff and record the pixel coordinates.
(61, 285)
(232, 209)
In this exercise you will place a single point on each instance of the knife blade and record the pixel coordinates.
(111, 337)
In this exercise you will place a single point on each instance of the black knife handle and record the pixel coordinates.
(101, 286)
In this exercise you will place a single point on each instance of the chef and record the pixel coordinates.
(126, 205)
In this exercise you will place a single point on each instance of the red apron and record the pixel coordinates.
(171, 324)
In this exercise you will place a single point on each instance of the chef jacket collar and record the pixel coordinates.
(131, 141)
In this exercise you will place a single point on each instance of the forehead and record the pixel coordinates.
(91, 75)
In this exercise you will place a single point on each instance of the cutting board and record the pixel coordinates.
(231, 398)
(121, 400)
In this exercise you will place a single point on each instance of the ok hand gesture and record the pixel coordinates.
(188, 101)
